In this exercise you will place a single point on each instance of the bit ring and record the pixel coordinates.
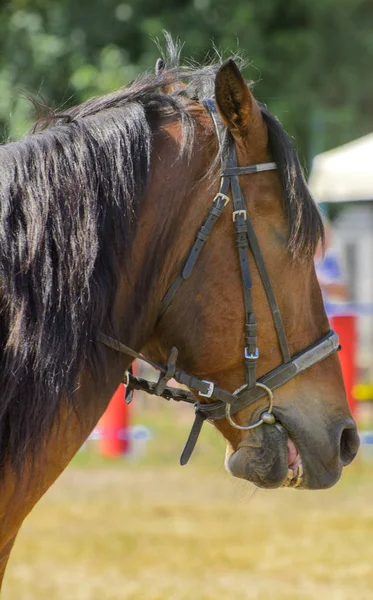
(266, 417)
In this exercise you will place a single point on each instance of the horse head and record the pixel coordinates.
(314, 435)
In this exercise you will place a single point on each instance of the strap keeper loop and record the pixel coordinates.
(202, 236)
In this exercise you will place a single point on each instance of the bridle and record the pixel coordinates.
(227, 404)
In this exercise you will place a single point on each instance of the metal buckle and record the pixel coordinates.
(239, 212)
(249, 356)
(220, 195)
(210, 389)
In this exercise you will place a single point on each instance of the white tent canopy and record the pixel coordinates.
(345, 173)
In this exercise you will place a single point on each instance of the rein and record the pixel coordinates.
(227, 404)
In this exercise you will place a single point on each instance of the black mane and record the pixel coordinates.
(69, 194)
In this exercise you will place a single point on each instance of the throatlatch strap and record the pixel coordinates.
(119, 347)
(215, 212)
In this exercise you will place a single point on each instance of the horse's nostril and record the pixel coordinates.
(350, 443)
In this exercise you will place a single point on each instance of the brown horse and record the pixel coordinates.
(99, 210)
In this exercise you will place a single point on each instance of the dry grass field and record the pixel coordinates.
(151, 530)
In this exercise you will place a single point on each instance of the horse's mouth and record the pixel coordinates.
(286, 454)
(295, 467)
(270, 462)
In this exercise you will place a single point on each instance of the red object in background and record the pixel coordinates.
(114, 426)
(345, 326)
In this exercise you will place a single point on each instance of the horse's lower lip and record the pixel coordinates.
(261, 457)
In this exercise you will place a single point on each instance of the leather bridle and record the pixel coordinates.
(226, 404)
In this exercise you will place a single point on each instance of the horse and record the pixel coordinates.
(168, 220)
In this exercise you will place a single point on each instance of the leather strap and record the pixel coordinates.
(119, 347)
(192, 438)
(276, 315)
(164, 378)
(249, 169)
(149, 387)
(215, 212)
(239, 218)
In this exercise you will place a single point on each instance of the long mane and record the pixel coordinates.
(69, 197)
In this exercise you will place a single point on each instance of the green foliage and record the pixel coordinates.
(311, 61)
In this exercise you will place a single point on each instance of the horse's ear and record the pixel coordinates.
(160, 66)
(236, 104)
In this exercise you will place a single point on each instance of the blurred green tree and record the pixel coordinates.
(311, 61)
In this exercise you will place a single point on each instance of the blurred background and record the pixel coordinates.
(125, 521)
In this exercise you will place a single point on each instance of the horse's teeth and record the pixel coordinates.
(294, 480)
(299, 480)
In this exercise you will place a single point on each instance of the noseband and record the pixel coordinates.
(227, 404)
